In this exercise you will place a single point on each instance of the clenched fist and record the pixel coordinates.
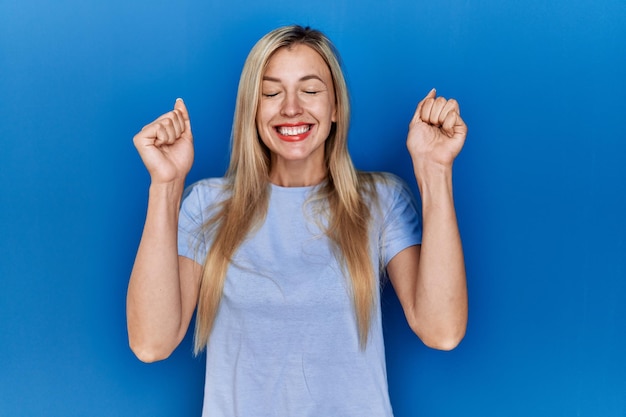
(437, 131)
(166, 145)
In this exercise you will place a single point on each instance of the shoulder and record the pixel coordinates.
(202, 199)
(210, 189)
(385, 186)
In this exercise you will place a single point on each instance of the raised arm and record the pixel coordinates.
(430, 279)
(163, 287)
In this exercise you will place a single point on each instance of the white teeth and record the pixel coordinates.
(293, 130)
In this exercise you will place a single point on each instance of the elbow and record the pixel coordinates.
(148, 356)
(152, 345)
(444, 338)
(445, 343)
(149, 353)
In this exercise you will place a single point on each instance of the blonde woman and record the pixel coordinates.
(283, 257)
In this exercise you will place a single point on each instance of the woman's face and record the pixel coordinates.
(295, 114)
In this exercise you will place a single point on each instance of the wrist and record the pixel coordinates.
(171, 190)
(429, 173)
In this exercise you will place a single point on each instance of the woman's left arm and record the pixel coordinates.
(430, 279)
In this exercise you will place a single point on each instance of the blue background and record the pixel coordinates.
(540, 189)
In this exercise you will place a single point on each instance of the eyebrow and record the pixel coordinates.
(305, 78)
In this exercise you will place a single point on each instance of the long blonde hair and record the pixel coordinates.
(247, 179)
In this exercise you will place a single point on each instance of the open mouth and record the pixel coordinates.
(293, 130)
(294, 133)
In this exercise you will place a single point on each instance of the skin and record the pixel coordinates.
(297, 91)
(163, 286)
(296, 94)
(430, 279)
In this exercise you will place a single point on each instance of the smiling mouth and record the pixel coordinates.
(293, 130)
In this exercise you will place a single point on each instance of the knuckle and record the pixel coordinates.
(159, 126)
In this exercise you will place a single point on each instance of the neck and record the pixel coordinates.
(294, 174)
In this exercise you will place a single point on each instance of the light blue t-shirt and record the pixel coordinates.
(285, 340)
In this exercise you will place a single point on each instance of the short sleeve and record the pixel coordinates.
(402, 225)
(191, 242)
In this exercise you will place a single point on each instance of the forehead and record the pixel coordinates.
(296, 61)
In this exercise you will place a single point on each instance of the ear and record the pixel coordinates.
(333, 117)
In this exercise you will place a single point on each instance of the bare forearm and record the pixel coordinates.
(441, 292)
(431, 278)
(154, 307)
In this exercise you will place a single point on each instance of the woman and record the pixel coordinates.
(283, 256)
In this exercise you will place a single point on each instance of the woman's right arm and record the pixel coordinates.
(163, 287)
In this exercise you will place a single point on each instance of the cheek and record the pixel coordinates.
(262, 133)
(261, 120)
(333, 110)
(263, 130)
(265, 112)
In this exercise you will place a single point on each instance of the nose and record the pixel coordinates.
(291, 105)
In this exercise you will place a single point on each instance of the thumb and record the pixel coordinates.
(418, 113)
(432, 93)
(180, 105)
